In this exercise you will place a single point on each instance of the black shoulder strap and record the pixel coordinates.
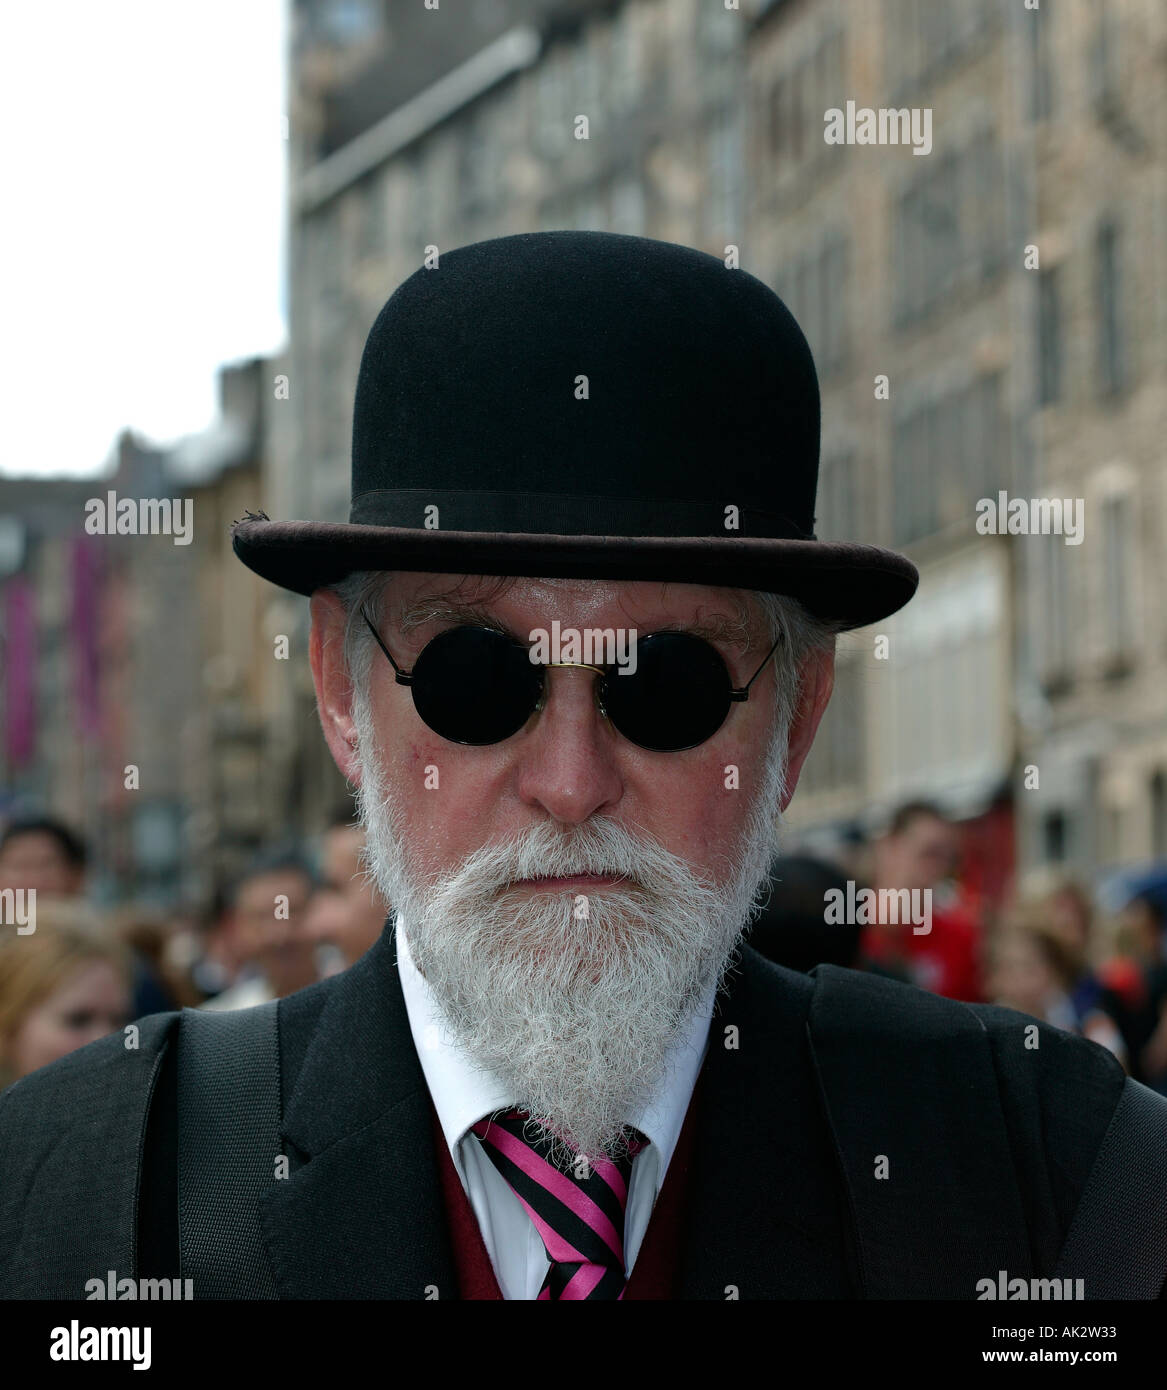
(1117, 1243)
(228, 1141)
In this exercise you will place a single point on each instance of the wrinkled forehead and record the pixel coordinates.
(412, 598)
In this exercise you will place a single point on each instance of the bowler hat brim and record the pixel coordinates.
(845, 583)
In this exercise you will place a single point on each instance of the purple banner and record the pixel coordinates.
(19, 671)
(84, 620)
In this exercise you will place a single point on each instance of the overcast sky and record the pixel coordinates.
(143, 229)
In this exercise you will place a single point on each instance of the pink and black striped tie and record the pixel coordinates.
(579, 1213)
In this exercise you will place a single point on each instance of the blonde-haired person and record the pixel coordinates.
(1065, 909)
(63, 986)
(1031, 969)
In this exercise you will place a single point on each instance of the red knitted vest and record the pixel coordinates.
(655, 1273)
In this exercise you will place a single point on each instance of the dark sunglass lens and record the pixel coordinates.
(472, 685)
(677, 697)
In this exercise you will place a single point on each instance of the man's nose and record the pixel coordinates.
(570, 763)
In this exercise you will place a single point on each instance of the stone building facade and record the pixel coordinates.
(988, 316)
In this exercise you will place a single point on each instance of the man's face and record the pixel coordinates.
(1021, 977)
(568, 765)
(1139, 925)
(347, 912)
(923, 854)
(94, 1000)
(271, 930)
(569, 896)
(36, 860)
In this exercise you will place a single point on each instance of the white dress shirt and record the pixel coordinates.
(463, 1094)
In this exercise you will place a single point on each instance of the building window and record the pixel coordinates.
(1103, 76)
(834, 71)
(816, 290)
(1055, 837)
(795, 116)
(718, 29)
(1159, 815)
(797, 103)
(552, 121)
(987, 211)
(726, 158)
(905, 247)
(474, 168)
(776, 117)
(949, 227)
(935, 23)
(946, 227)
(836, 760)
(1112, 833)
(992, 470)
(948, 452)
(787, 120)
(1049, 337)
(836, 286)
(912, 479)
(1041, 91)
(588, 78)
(924, 36)
(1118, 541)
(1056, 626)
(624, 64)
(1109, 316)
(900, 472)
(419, 201)
(372, 218)
(932, 483)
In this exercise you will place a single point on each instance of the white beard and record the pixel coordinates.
(575, 1016)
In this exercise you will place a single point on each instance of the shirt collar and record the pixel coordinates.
(464, 1093)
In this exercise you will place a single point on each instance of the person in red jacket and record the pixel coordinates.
(919, 851)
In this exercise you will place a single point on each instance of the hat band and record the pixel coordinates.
(567, 514)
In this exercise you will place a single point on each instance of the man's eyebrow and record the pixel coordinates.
(714, 628)
(433, 610)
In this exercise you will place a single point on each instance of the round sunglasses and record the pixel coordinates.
(475, 685)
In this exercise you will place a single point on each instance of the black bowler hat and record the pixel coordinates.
(586, 405)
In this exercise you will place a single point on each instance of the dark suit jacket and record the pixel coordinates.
(769, 1200)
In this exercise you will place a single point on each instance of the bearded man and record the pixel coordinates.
(572, 649)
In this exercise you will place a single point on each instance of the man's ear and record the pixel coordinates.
(816, 681)
(334, 694)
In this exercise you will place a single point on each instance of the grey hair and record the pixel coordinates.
(796, 631)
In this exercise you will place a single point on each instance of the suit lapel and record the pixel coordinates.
(361, 1214)
(764, 1210)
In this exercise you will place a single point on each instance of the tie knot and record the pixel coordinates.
(578, 1207)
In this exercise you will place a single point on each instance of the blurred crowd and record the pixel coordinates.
(294, 916)
(1047, 950)
(297, 915)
